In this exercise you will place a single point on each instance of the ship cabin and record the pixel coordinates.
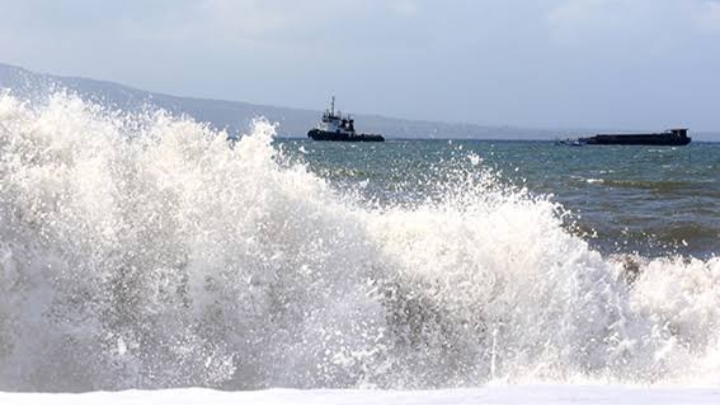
(679, 132)
(332, 122)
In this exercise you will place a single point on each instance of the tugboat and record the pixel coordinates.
(336, 127)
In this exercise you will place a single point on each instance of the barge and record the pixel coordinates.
(672, 137)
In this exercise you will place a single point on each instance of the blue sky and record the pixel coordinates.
(625, 64)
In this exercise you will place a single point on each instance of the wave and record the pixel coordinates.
(662, 187)
(143, 250)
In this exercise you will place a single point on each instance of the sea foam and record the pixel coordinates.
(145, 250)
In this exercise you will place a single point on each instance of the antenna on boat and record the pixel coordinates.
(332, 106)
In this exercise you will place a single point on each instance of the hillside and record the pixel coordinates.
(235, 116)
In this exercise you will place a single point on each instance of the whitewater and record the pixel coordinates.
(145, 251)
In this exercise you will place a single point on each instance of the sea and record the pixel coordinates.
(147, 257)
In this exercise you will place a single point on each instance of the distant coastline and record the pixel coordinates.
(236, 116)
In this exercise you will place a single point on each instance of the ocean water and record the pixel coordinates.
(146, 251)
(652, 201)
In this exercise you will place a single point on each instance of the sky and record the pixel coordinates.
(616, 64)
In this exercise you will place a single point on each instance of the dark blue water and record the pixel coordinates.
(654, 201)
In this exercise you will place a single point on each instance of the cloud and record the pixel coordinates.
(647, 27)
(275, 22)
(248, 18)
(578, 21)
(404, 8)
(578, 11)
(707, 17)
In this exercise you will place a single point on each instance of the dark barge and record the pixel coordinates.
(336, 127)
(673, 137)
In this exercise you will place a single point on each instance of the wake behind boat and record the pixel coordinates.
(336, 127)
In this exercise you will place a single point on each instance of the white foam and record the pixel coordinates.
(550, 394)
(146, 251)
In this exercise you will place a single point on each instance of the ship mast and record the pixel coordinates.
(332, 106)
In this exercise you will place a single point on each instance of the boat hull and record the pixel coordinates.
(672, 138)
(319, 135)
(657, 140)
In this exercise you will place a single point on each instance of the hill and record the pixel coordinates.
(235, 116)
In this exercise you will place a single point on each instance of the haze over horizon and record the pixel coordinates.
(642, 64)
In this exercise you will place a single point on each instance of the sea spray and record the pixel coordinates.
(145, 250)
